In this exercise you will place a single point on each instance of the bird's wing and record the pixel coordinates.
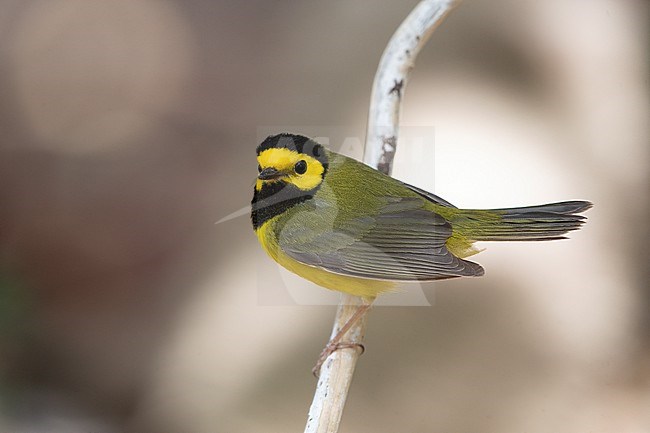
(402, 242)
(429, 196)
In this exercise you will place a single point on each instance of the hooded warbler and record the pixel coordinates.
(348, 227)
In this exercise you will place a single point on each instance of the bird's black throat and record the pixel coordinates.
(275, 198)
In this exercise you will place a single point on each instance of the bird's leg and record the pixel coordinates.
(335, 343)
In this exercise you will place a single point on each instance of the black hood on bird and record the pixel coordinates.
(298, 143)
(275, 198)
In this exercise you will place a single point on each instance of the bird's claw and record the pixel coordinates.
(331, 348)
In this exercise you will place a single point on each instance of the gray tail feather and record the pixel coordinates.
(534, 223)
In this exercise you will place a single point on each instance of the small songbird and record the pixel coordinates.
(348, 227)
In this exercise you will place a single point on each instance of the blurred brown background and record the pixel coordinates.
(127, 128)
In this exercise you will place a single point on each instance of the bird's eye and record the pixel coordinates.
(259, 168)
(300, 167)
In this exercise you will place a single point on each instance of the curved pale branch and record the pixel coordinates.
(392, 74)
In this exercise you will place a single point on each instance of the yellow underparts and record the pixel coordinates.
(363, 287)
(460, 243)
(461, 247)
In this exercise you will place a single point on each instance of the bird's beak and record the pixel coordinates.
(270, 173)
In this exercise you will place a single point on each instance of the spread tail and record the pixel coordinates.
(532, 223)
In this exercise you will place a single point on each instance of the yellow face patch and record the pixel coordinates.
(285, 160)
